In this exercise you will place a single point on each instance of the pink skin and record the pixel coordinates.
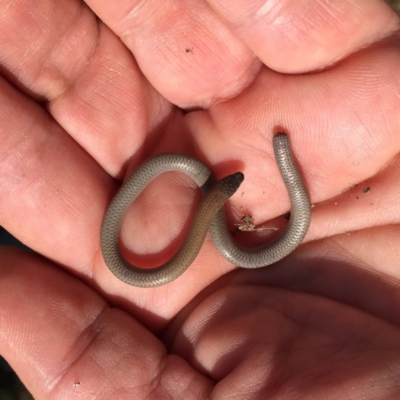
(80, 108)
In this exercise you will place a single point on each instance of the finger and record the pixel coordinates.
(370, 203)
(183, 48)
(48, 183)
(339, 136)
(65, 341)
(279, 341)
(296, 37)
(85, 76)
(355, 268)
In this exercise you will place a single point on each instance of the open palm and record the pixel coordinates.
(89, 91)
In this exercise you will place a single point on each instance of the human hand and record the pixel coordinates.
(77, 112)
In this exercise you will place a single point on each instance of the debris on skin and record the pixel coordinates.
(247, 225)
(366, 190)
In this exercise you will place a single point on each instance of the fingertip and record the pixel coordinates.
(298, 37)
